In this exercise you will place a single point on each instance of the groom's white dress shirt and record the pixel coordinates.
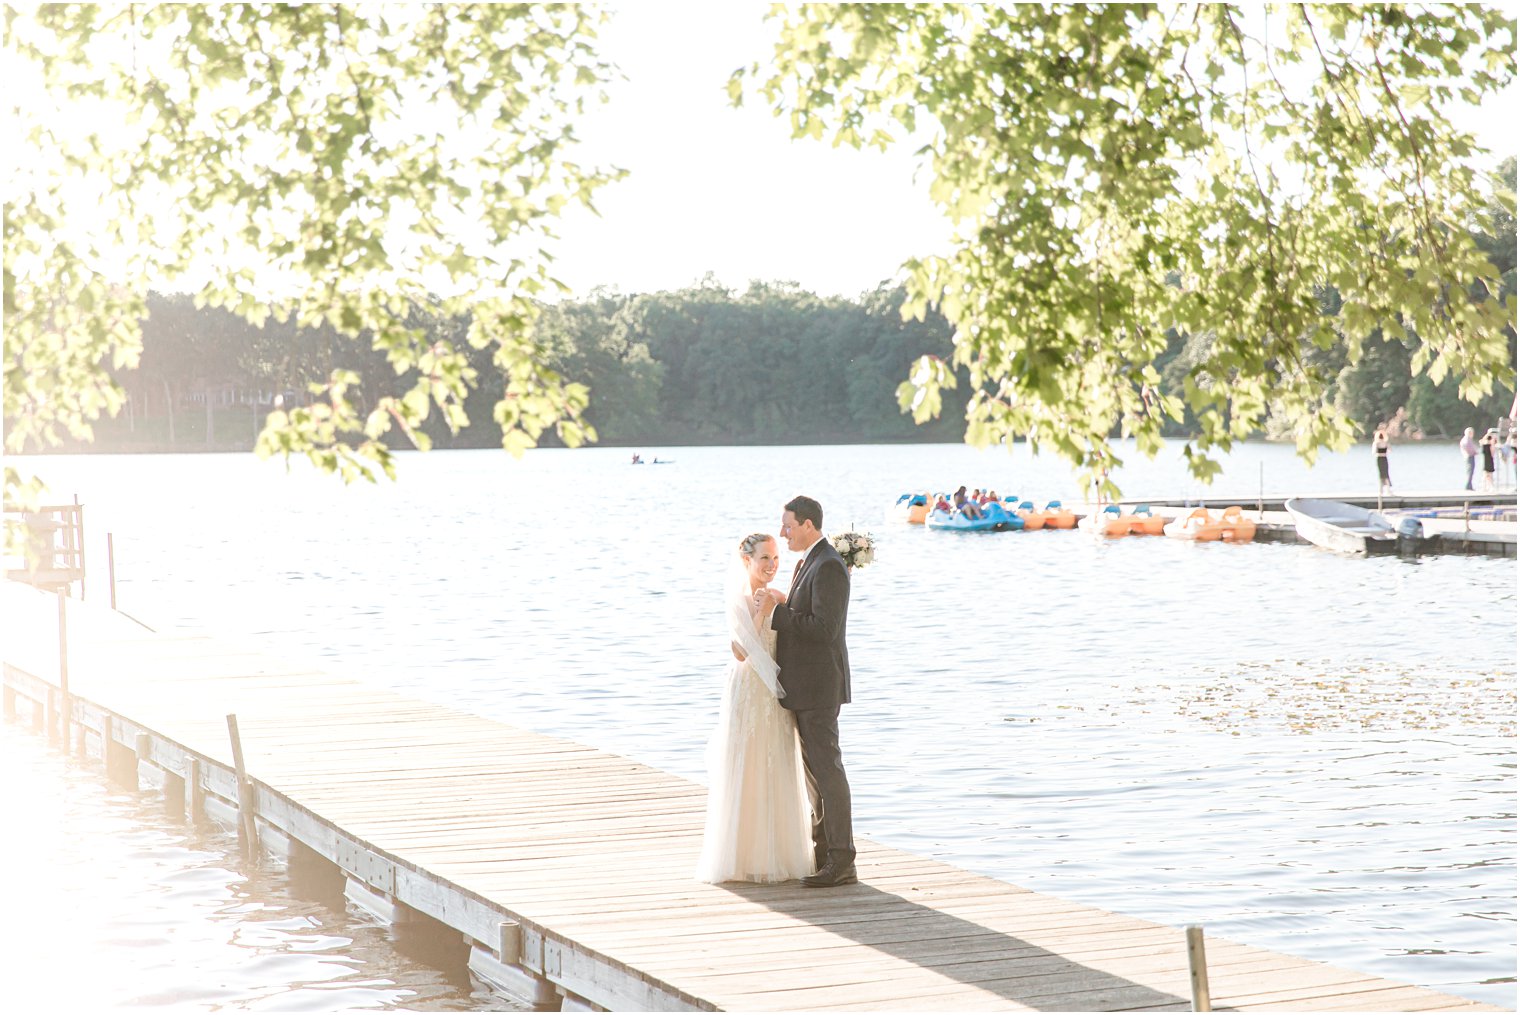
(797, 571)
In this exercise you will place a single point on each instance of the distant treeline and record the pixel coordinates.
(702, 365)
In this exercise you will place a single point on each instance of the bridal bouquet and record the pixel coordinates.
(855, 547)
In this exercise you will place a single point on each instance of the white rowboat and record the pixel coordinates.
(1346, 528)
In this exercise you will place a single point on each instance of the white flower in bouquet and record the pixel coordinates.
(855, 547)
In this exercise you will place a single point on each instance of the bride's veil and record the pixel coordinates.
(741, 626)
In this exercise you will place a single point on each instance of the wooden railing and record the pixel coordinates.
(51, 546)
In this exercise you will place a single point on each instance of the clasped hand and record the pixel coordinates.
(767, 600)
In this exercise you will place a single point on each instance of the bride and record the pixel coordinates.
(757, 811)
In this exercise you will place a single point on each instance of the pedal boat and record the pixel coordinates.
(1143, 522)
(995, 518)
(1034, 520)
(911, 508)
(1058, 517)
(1230, 527)
(1110, 522)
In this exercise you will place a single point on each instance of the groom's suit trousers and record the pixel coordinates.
(828, 789)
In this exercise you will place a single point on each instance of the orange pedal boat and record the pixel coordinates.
(1230, 527)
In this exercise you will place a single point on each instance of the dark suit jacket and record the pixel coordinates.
(815, 667)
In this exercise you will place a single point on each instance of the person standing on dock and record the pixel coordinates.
(1380, 450)
(1489, 442)
(1504, 447)
(809, 623)
(757, 810)
(1470, 452)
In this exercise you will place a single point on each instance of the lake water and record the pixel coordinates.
(1306, 752)
(118, 906)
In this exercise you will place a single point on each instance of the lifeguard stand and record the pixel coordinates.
(53, 540)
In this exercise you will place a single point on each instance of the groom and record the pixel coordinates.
(815, 673)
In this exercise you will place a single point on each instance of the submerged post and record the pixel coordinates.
(1198, 970)
(195, 793)
(249, 829)
(66, 706)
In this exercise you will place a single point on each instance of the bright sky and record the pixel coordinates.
(716, 189)
(713, 188)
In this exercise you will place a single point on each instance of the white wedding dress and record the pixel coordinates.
(758, 826)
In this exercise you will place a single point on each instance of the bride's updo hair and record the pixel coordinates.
(752, 542)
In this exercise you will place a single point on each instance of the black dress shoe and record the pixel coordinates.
(831, 875)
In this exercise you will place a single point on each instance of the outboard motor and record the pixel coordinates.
(1411, 534)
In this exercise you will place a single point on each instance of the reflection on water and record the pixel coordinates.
(1302, 751)
(110, 904)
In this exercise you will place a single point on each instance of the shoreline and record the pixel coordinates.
(227, 448)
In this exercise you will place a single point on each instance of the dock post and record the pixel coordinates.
(502, 967)
(246, 821)
(111, 566)
(142, 750)
(79, 534)
(509, 942)
(195, 794)
(115, 754)
(1198, 969)
(66, 704)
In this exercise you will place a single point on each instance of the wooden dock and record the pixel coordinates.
(568, 869)
(1402, 501)
(1479, 535)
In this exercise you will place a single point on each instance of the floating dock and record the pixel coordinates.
(568, 869)
(1478, 524)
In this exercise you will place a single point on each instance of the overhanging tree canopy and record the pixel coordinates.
(1120, 170)
(331, 164)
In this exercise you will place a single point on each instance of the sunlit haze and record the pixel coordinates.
(716, 189)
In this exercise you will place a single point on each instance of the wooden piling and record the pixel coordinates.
(195, 793)
(79, 534)
(1198, 969)
(247, 823)
(111, 565)
(65, 705)
(120, 763)
(142, 751)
